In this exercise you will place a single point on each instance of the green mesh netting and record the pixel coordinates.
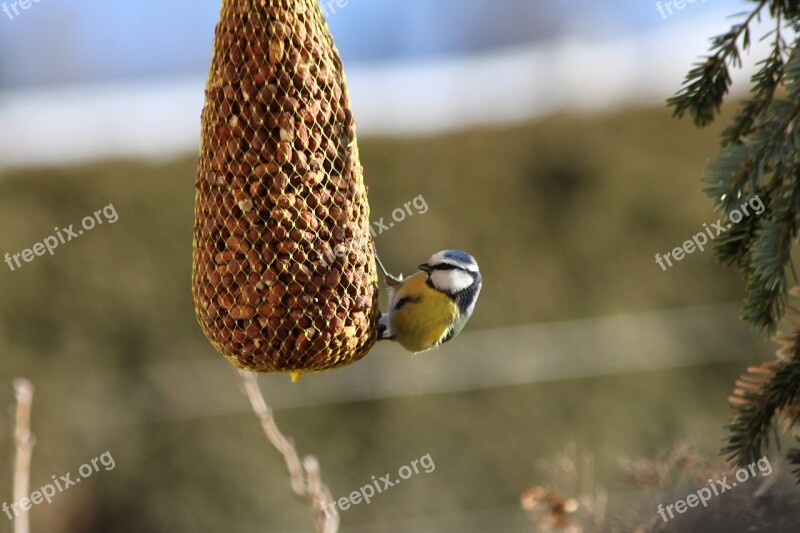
(283, 277)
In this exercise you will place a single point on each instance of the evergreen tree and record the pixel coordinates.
(759, 156)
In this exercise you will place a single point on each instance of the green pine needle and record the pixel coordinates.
(759, 156)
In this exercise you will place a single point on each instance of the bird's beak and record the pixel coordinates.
(425, 267)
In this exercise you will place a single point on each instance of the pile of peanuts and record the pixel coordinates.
(283, 276)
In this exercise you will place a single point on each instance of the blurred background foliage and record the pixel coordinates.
(536, 133)
(565, 215)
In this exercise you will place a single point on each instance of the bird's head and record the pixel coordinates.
(454, 273)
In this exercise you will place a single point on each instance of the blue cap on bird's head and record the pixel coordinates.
(450, 259)
(461, 257)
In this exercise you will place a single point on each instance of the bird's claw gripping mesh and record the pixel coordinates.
(283, 276)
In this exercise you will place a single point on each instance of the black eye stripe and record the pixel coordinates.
(445, 266)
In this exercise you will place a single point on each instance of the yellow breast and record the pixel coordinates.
(422, 322)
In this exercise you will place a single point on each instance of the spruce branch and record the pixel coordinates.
(765, 83)
(759, 154)
(708, 82)
(766, 395)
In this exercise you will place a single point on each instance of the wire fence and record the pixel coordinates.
(478, 360)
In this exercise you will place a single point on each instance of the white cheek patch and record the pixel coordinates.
(451, 281)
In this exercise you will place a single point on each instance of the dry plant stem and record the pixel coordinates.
(305, 478)
(23, 394)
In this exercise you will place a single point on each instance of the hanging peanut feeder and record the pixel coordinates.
(283, 275)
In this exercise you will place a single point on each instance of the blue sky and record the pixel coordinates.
(73, 41)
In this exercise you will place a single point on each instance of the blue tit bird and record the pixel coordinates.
(432, 306)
